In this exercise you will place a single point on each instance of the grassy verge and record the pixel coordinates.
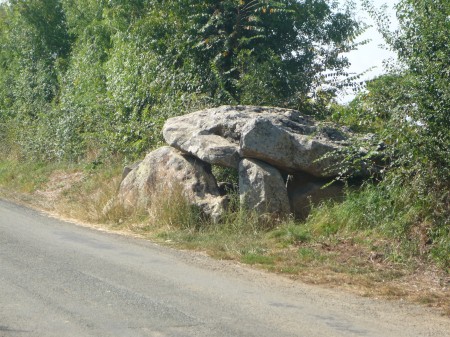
(361, 244)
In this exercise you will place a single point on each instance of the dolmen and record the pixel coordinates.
(285, 161)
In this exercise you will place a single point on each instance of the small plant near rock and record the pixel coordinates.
(170, 208)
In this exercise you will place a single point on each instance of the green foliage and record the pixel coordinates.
(424, 47)
(388, 211)
(416, 101)
(409, 110)
(89, 79)
(46, 21)
(265, 51)
(385, 98)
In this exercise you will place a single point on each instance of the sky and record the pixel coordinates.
(371, 54)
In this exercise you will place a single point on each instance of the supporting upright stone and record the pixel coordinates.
(168, 169)
(262, 188)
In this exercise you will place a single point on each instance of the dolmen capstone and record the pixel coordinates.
(280, 155)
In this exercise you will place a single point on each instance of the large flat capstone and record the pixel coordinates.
(284, 138)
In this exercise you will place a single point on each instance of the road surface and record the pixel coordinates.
(60, 279)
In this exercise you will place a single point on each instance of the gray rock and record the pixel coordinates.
(305, 191)
(167, 168)
(262, 188)
(286, 148)
(127, 169)
(282, 137)
(207, 134)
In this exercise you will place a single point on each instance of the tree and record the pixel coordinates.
(424, 46)
(48, 21)
(275, 47)
(412, 107)
(109, 72)
(421, 85)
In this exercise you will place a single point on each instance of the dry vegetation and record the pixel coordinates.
(357, 262)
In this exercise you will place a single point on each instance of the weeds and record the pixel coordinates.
(169, 208)
(16, 176)
(255, 258)
(395, 215)
(369, 239)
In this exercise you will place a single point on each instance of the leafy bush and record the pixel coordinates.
(409, 110)
(89, 80)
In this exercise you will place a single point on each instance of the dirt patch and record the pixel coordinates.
(58, 183)
(351, 266)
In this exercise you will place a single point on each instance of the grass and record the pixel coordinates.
(365, 244)
(253, 258)
(168, 208)
(24, 178)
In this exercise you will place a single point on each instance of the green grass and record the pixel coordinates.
(291, 234)
(255, 258)
(373, 236)
(372, 215)
(25, 178)
(391, 214)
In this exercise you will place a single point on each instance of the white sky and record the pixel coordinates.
(371, 54)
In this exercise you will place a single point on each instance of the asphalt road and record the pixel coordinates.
(60, 279)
